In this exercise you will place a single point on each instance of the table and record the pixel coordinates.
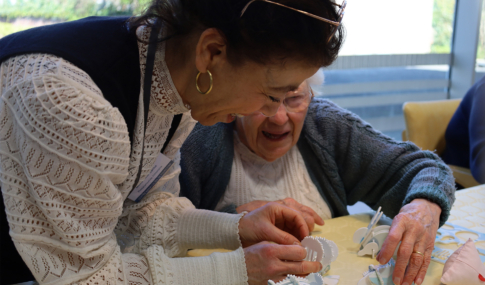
(468, 211)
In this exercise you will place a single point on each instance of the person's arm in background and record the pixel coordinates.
(476, 130)
(413, 186)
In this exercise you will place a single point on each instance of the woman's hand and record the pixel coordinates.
(310, 216)
(415, 227)
(266, 261)
(272, 222)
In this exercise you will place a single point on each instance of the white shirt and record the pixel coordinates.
(67, 166)
(253, 178)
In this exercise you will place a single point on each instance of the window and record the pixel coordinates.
(480, 69)
(395, 51)
(18, 15)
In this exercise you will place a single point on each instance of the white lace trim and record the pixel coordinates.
(164, 95)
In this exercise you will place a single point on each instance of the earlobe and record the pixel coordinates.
(210, 50)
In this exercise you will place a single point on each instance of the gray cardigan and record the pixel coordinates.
(348, 161)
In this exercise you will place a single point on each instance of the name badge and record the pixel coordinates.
(162, 164)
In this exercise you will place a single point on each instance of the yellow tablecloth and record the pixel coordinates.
(468, 211)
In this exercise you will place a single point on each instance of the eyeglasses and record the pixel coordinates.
(335, 24)
(294, 102)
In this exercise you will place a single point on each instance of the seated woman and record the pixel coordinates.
(325, 158)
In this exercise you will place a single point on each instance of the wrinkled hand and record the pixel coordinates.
(266, 261)
(310, 216)
(415, 227)
(272, 222)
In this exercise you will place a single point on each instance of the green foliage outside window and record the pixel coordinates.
(443, 14)
(65, 10)
(61, 10)
(7, 28)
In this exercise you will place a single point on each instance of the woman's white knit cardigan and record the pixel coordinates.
(65, 173)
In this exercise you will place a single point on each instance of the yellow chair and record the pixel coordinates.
(426, 124)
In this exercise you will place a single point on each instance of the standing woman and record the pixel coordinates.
(90, 108)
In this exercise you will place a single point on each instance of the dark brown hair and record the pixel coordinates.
(267, 33)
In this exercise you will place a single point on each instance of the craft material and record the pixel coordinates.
(331, 279)
(448, 235)
(441, 255)
(379, 275)
(312, 279)
(464, 267)
(372, 238)
(314, 249)
(321, 250)
(371, 225)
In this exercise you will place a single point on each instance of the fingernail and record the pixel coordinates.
(397, 281)
(419, 281)
(405, 283)
(296, 243)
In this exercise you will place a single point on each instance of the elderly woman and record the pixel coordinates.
(323, 158)
(93, 114)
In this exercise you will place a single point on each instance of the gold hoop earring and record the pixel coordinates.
(197, 83)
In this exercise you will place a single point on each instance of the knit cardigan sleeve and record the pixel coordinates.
(361, 164)
(206, 162)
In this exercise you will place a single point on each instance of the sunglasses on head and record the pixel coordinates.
(335, 24)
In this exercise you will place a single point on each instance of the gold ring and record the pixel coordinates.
(422, 254)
